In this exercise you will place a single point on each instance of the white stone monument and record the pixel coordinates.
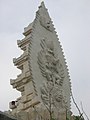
(44, 81)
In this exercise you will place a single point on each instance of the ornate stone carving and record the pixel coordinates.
(46, 23)
(45, 83)
(50, 65)
(53, 96)
(52, 69)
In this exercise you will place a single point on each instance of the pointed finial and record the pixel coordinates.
(42, 4)
(41, 1)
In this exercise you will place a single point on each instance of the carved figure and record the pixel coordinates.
(50, 66)
(46, 23)
(52, 70)
(59, 99)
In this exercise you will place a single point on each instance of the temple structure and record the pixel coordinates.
(44, 81)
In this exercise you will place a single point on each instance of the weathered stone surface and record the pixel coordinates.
(44, 80)
(3, 116)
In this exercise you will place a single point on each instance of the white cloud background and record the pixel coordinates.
(72, 22)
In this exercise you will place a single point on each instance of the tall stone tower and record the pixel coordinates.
(44, 80)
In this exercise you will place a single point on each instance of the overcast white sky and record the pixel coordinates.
(72, 22)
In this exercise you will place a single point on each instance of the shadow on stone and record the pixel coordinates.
(4, 116)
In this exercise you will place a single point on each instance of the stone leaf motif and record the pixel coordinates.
(52, 70)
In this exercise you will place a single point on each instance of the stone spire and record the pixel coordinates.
(42, 66)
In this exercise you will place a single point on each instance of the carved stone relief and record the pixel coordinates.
(52, 70)
(49, 64)
(46, 23)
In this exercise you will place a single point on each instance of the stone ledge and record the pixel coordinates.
(23, 43)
